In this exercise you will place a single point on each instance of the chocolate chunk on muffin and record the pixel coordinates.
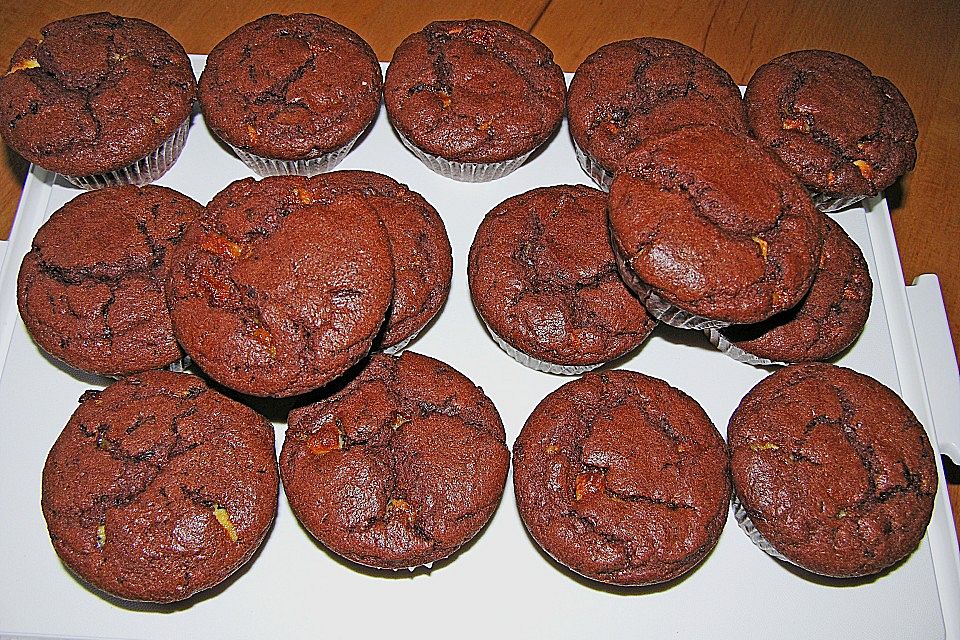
(274, 294)
(473, 98)
(291, 93)
(622, 478)
(833, 469)
(400, 468)
(544, 280)
(96, 94)
(422, 258)
(709, 230)
(823, 324)
(91, 290)
(629, 90)
(159, 487)
(845, 132)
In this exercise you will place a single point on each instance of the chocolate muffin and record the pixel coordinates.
(629, 90)
(544, 280)
(291, 94)
(845, 132)
(400, 468)
(833, 469)
(275, 294)
(422, 258)
(709, 230)
(91, 290)
(473, 98)
(622, 478)
(159, 487)
(823, 324)
(100, 99)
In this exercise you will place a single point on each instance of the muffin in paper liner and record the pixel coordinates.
(143, 171)
(536, 364)
(660, 308)
(592, 168)
(720, 341)
(308, 167)
(740, 513)
(465, 171)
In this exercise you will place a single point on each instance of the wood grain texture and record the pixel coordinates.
(915, 44)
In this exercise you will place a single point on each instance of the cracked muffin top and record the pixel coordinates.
(622, 478)
(96, 93)
(711, 224)
(833, 469)
(401, 467)
(841, 129)
(629, 90)
(474, 91)
(281, 287)
(830, 316)
(291, 87)
(543, 277)
(159, 487)
(91, 289)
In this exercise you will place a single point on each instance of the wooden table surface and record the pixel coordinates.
(915, 44)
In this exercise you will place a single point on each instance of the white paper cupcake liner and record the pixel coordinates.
(601, 176)
(465, 171)
(660, 308)
(265, 167)
(537, 364)
(829, 204)
(755, 536)
(144, 171)
(725, 346)
(394, 349)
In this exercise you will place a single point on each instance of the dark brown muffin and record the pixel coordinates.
(844, 132)
(291, 87)
(703, 222)
(401, 467)
(825, 322)
(422, 258)
(627, 91)
(159, 487)
(91, 290)
(96, 93)
(474, 91)
(833, 469)
(622, 478)
(274, 294)
(544, 280)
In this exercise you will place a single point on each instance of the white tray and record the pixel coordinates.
(500, 585)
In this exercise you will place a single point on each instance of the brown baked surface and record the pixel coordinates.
(96, 93)
(291, 87)
(833, 469)
(714, 226)
(401, 467)
(275, 294)
(622, 478)
(422, 257)
(543, 277)
(91, 290)
(159, 487)
(842, 130)
(626, 91)
(474, 91)
(830, 316)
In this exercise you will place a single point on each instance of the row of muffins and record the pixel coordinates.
(590, 485)
(408, 462)
(472, 99)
